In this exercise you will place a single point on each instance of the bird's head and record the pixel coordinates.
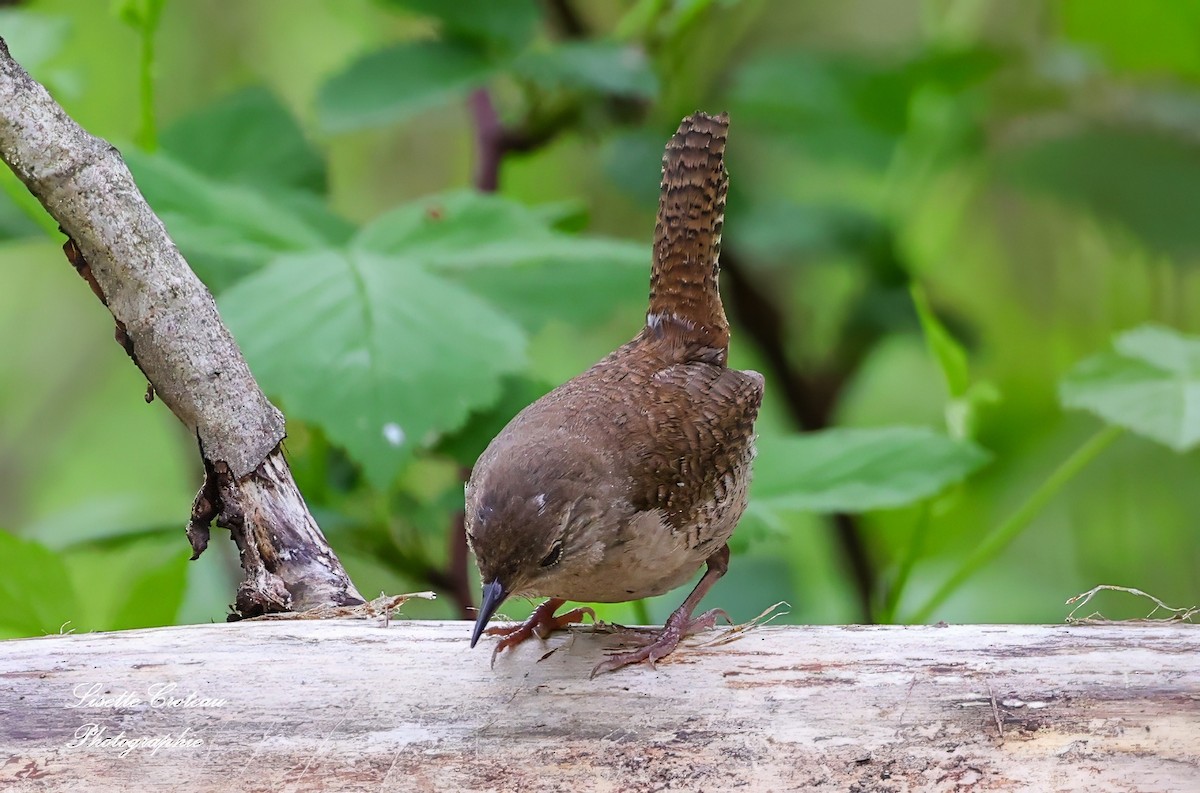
(531, 536)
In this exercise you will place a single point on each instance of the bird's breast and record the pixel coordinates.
(646, 559)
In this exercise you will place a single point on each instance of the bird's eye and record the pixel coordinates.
(554, 555)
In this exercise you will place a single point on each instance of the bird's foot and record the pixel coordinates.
(657, 646)
(541, 623)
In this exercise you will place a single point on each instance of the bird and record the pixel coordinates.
(623, 481)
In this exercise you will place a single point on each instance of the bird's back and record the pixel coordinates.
(672, 441)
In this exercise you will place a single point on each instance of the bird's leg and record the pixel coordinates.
(541, 623)
(681, 622)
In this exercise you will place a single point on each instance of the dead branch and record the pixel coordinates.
(168, 323)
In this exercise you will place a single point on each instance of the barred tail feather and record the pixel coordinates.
(687, 237)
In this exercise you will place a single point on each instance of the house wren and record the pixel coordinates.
(620, 483)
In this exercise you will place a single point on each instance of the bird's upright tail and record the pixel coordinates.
(684, 299)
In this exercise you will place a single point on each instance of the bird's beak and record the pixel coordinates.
(493, 596)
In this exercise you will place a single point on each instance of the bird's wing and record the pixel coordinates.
(693, 463)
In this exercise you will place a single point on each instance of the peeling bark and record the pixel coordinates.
(167, 321)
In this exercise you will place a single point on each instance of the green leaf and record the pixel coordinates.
(951, 356)
(651, 19)
(784, 233)
(1150, 383)
(640, 20)
(374, 349)
(36, 41)
(36, 596)
(509, 255)
(854, 110)
(857, 470)
(966, 398)
(688, 12)
(570, 216)
(226, 230)
(581, 281)
(33, 39)
(633, 161)
(15, 221)
(465, 445)
(1149, 183)
(137, 583)
(508, 23)
(450, 229)
(843, 109)
(1153, 38)
(1163, 347)
(606, 67)
(249, 138)
(963, 413)
(394, 83)
(139, 14)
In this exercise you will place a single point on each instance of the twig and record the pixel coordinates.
(996, 712)
(566, 19)
(382, 606)
(490, 145)
(494, 141)
(732, 633)
(735, 632)
(1079, 601)
(409, 559)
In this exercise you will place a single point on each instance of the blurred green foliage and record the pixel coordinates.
(940, 214)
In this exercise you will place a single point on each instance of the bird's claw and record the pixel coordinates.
(662, 644)
(541, 623)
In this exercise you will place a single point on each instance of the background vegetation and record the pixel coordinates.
(418, 216)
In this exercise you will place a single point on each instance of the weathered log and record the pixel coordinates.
(351, 705)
